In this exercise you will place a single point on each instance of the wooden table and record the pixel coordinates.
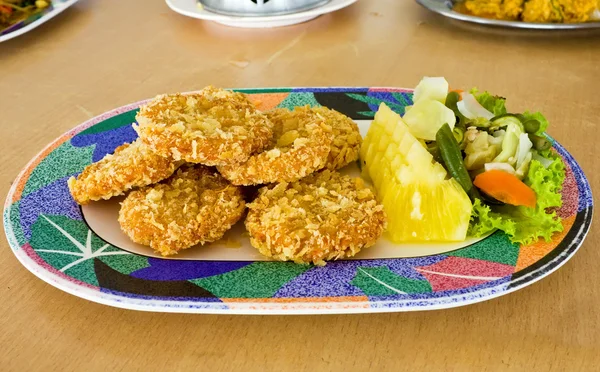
(100, 55)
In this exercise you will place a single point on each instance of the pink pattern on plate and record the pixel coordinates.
(570, 194)
(459, 272)
(386, 90)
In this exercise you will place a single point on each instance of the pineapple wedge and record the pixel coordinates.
(421, 201)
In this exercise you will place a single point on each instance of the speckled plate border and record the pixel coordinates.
(45, 229)
(444, 7)
(33, 21)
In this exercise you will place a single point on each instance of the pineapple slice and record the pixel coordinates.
(421, 202)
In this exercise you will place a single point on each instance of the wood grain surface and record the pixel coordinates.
(99, 55)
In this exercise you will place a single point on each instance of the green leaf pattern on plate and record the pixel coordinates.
(65, 160)
(377, 101)
(69, 246)
(495, 248)
(299, 99)
(381, 281)
(117, 121)
(257, 280)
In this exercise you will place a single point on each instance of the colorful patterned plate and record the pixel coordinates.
(35, 20)
(50, 237)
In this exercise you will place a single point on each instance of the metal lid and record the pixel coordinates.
(258, 8)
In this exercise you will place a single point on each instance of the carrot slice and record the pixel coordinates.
(506, 188)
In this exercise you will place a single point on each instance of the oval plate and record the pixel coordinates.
(47, 233)
(35, 20)
(444, 7)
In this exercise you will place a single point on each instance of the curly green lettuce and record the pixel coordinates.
(526, 225)
(494, 104)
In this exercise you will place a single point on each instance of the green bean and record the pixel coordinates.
(450, 153)
(506, 120)
(540, 143)
(531, 126)
(451, 102)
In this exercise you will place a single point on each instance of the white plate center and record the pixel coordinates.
(102, 218)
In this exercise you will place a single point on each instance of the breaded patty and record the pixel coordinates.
(346, 138)
(300, 146)
(325, 216)
(195, 206)
(212, 127)
(131, 165)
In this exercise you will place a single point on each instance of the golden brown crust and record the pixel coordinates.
(325, 216)
(300, 146)
(212, 127)
(131, 165)
(195, 206)
(346, 138)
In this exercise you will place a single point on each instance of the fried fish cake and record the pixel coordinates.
(300, 146)
(346, 138)
(131, 165)
(212, 127)
(195, 206)
(325, 216)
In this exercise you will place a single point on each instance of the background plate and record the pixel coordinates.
(191, 8)
(48, 235)
(444, 7)
(35, 20)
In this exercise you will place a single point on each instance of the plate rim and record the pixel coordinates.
(502, 287)
(441, 7)
(58, 7)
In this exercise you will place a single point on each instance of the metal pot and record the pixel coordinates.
(260, 8)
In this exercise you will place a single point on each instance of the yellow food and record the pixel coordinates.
(421, 203)
(545, 11)
(498, 9)
(567, 11)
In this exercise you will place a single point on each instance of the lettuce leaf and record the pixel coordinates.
(540, 118)
(494, 104)
(526, 225)
(484, 220)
